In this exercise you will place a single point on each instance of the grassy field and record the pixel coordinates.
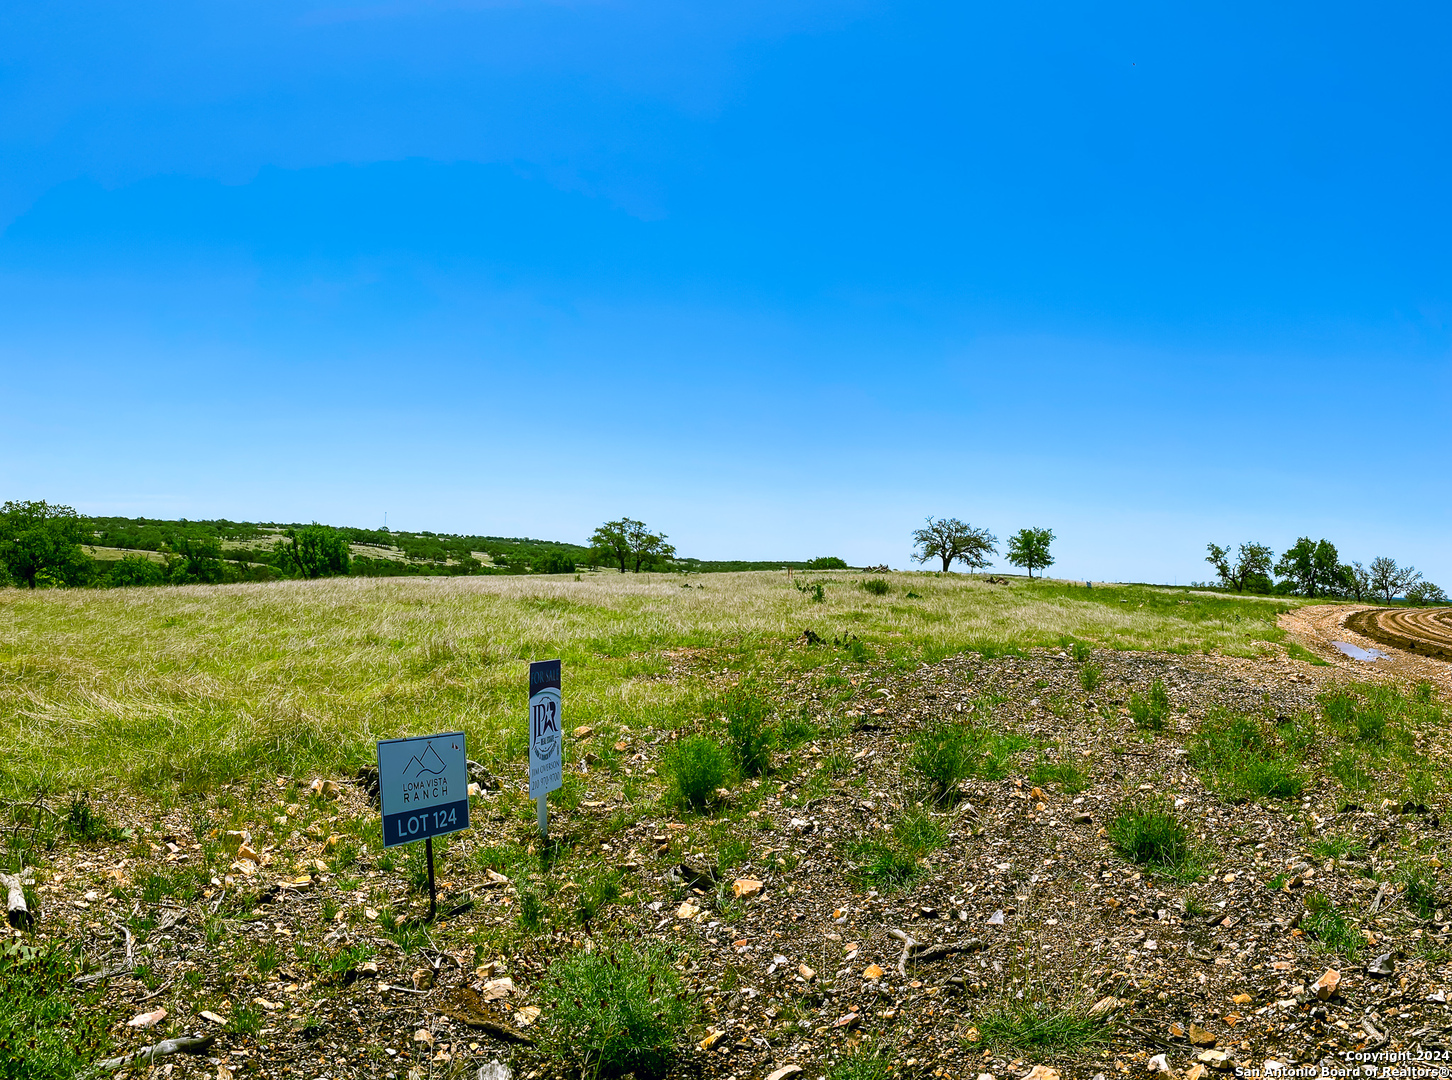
(166, 689)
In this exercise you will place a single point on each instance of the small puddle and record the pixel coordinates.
(1356, 652)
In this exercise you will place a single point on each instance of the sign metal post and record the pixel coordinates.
(423, 792)
(546, 738)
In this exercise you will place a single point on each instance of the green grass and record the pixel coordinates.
(615, 1010)
(862, 1064)
(1037, 1024)
(48, 1029)
(1067, 775)
(1090, 676)
(946, 754)
(696, 767)
(889, 860)
(196, 687)
(1151, 711)
(1149, 834)
(1325, 922)
(1247, 757)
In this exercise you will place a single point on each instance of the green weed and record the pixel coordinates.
(1070, 778)
(1151, 712)
(1090, 676)
(615, 1010)
(1149, 834)
(887, 862)
(1037, 1023)
(48, 1029)
(746, 727)
(946, 754)
(1250, 758)
(696, 767)
(877, 586)
(1324, 921)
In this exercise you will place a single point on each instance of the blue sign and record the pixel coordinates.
(423, 787)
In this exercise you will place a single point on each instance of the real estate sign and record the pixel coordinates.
(423, 786)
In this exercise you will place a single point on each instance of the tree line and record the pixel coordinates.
(1314, 568)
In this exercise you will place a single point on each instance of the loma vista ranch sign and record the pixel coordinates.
(423, 787)
(423, 782)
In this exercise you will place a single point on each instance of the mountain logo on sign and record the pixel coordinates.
(426, 764)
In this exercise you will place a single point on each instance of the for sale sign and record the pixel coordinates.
(423, 786)
(546, 729)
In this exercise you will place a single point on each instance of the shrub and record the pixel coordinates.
(697, 766)
(746, 727)
(555, 563)
(877, 586)
(615, 1010)
(826, 562)
(1090, 676)
(1150, 713)
(1149, 834)
(134, 570)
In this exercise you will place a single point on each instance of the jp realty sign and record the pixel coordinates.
(423, 785)
(546, 730)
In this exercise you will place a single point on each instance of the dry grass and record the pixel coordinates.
(195, 685)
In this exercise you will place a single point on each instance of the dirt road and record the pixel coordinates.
(1317, 627)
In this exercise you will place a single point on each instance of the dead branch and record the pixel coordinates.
(16, 911)
(187, 1044)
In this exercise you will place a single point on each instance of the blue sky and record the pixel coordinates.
(779, 278)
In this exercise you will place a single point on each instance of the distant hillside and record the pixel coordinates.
(248, 546)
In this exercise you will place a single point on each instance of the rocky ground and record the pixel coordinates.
(282, 950)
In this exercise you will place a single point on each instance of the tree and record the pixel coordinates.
(316, 551)
(1313, 567)
(135, 570)
(1389, 579)
(949, 539)
(1424, 592)
(41, 540)
(629, 544)
(1250, 569)
(1029, 548)
(1357, 578)
(194, 560)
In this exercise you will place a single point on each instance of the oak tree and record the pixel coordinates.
(952, 540)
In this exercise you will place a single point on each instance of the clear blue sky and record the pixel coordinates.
(779, 278)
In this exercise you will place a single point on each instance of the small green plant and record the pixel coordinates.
(856, 651)
(532, 911)
(1090, 676)
(595, 894)
(1081, 651)
(87, 825)
(1325, 922)
(246, 1019)
(1250, 758)
(1337, 847)
(1419, 889)
(948, 753)
(49, 1030)
(877, 586)
(795, 731)
(267, 959)
(1148, 833)
(697, 767)
(1035, 1022)
(1151, 712)
(862, 1064)
(615, 1010)
(886, 862)
(746, 727)
(1066, 774)
(816, 591)
(1196, 908)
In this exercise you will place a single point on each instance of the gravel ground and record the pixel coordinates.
(1026, 896)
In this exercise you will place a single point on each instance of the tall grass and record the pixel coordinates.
(198, 685)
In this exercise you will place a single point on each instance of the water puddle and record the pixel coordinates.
(1356, 652)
